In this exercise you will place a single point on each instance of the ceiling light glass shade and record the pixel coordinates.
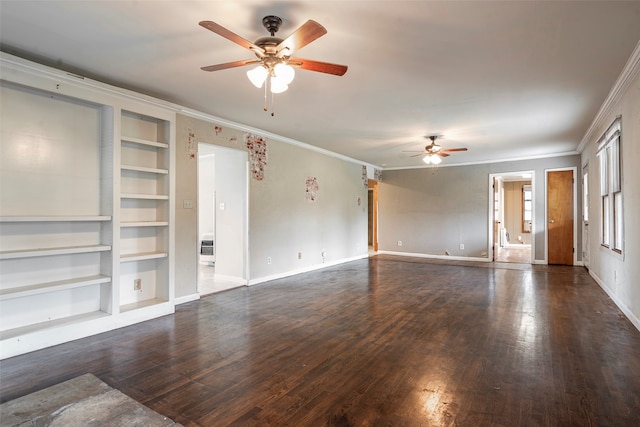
(277, 85)
(436, 148)
(284, 72)
(258, 75)
(432, 159)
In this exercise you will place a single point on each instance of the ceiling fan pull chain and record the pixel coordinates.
(265, 96)
(273, 97)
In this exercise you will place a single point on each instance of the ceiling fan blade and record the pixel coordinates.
(322, 67)
(230, 65)
(308, 32)
(418, 155)
(230, 35)
(450, 150)
(441, 154)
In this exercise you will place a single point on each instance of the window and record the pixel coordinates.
(526, 208)
(611, 188)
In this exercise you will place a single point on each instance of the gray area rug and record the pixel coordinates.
(81, 401)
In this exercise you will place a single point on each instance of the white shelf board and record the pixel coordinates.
(43, 288)
(30, 253)
(144, 196)
(141, 304)
(144, 169)
(144, 142)
(55, 218)
(65, 321)
(144, 224)
(141, 256)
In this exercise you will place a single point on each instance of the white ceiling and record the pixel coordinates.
(506, 79)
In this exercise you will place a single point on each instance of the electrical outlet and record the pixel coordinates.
(137, 285)
(299, 255)
(268, 260)
(399, 242)
(462, 246)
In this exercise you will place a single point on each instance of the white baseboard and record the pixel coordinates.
(186, 298)
(632, 318)
(232, 279)
(304, 270)
(445, 257)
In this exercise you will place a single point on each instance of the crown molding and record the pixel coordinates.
(484, 162)
(245, 128)
(628, 74)
(16, 63)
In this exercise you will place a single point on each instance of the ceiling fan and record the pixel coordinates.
(274, 60)
(433, 152)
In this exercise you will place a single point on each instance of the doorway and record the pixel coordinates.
(372, 209)
(222, 218)
(511, 217)
(560, 216)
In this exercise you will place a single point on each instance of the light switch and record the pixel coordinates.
(221, 206)
(187, 204)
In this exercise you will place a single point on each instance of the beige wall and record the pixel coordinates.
(434, 210)
(618, 273)
(282, 222)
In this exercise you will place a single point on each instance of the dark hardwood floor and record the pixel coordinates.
(385, 341)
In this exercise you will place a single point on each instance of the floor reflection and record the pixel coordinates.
(208, 283)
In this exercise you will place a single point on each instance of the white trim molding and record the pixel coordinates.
(628, 74)
(304, 270)
(627, 312)
(443, 257)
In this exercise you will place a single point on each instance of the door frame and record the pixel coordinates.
(245, 213)
(372, 186)
(574, 171)
(585, 217)
(491, 243)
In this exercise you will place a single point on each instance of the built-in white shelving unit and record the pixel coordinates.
(144, 211)
(55, 213)
(86, 208)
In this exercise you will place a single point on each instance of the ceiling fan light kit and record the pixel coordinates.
(433, 153)
(275, 68)
(432, 159)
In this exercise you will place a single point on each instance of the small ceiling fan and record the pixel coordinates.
(274, 54)
(433, 151)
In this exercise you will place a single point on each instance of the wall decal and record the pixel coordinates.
(257, 147)
(217, 129)
(191, 146)
(365, 179)
(233, 139)
(377, 174)
(311, 192)
(359, 200)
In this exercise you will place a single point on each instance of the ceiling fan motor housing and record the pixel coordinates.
(272, 24)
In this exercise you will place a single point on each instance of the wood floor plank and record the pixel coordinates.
(382, 341)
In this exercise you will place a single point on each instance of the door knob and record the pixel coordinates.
(551, 221)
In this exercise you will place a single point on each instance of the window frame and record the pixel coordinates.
(611, 192)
